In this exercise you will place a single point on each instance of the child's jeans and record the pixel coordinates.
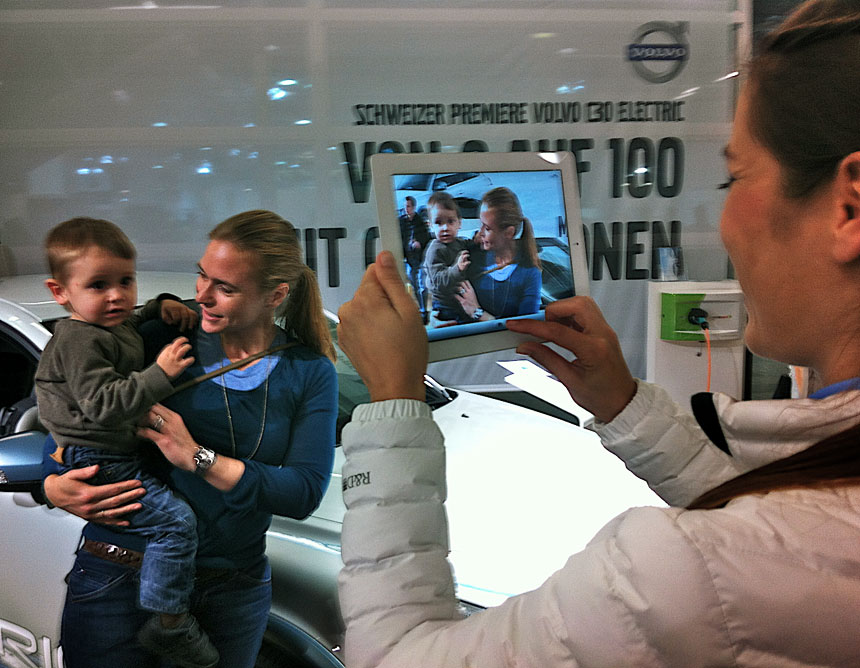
(167, 522)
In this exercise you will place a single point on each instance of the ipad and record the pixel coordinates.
(481, 238)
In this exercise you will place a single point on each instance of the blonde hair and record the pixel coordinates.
(69, 240)
(506, 205)
(274, 243)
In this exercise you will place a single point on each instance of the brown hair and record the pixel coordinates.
(804, 88)
(274, 242)
(834, 460)
(443, 200)
(67, 241)
(506, 205)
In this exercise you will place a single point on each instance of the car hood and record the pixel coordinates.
(525, 491)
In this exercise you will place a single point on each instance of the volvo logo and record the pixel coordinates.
(659, 50)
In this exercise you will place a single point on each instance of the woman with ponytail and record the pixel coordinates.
(509, 283)
(246, 443)
(756, 560)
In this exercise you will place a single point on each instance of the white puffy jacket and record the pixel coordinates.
(769, 580)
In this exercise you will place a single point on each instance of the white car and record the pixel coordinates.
(467, 189)
(525, 491)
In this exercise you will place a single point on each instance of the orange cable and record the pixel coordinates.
(708, 340)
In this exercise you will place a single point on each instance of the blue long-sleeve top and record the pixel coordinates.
(290, 470)
(512, 291)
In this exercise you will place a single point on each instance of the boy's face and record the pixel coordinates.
(99, 288)
(445, 223)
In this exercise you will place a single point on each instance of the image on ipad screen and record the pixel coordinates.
(480, 246)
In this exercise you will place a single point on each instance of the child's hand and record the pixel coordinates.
(463, 260)
(177, 313)
(172, 359)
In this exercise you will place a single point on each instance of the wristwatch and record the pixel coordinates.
(478, 313)
(203, 460)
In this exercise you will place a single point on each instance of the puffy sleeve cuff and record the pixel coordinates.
(662, 443)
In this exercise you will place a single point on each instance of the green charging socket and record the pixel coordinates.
(674, 324)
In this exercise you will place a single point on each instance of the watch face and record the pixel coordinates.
(203, 459)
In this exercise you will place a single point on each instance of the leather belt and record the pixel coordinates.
(114, 553)
(133, 559)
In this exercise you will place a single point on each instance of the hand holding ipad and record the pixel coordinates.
(481, 238)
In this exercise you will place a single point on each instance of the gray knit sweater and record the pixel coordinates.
(91, 386)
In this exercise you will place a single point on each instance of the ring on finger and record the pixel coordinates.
(158, 423)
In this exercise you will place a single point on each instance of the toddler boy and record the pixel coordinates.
(92, 389)
(448, 259)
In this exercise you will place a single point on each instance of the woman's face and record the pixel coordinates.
(493, 237)
(776, 247)
(230, 298)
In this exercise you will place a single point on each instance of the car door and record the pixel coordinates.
(38, 543)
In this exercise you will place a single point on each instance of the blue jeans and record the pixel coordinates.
(101, 617)
(167, 522)
(416, 276)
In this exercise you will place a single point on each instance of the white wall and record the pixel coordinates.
(83, 86)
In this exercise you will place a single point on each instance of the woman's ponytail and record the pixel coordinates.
(832, 461)
(303, 314)
(528, 250)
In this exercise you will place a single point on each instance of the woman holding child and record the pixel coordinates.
(255, 441)
(494, 275)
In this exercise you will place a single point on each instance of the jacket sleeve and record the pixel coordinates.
(662, 444)
(422, 233)
(609, 605)
(151, 310)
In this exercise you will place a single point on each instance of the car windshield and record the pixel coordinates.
(555, 255)
(414, 182)
(555, 271)
(447, 180)
(469, 207)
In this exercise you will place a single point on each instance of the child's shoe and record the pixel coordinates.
(186, 645)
